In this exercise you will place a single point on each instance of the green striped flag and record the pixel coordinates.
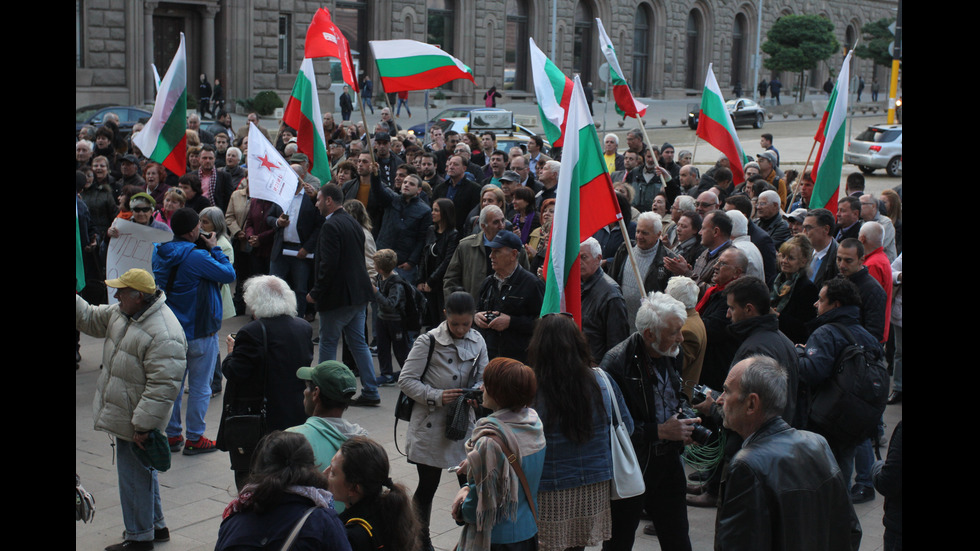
(626, 104)
(412, 65)
(554, 91)
(583, 180)
(715, 126)
(829, 164)
(303, 114)
(164, 138)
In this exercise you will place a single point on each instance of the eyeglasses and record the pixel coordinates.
(142, 209)
(703, 204)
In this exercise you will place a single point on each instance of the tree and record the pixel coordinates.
(797, 43)
(876, 39)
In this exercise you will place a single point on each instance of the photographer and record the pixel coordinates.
(510, 300)
(646, 368)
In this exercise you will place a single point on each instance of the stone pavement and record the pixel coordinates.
(196, 488)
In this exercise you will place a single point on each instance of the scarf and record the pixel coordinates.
(319, 496)
(782, 289)
(497, 486)
(707, 296)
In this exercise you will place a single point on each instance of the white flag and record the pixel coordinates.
(269, 175)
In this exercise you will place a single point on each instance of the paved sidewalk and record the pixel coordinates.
(196, 488)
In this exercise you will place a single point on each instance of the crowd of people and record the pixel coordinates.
(435, 247)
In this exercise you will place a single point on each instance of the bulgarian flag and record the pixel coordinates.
(626, 104)
(303, 114)
(715, 127)
(164, 138)
(830, 158)
(324, 39)
(583, 180)
(412, 65)
(554, 91)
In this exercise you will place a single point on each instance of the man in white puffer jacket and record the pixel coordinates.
(144, 359)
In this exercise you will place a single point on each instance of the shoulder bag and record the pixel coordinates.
(627, 480)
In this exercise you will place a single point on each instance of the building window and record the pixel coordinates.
(352, 19)
(641, 51)
(516, 44)
(582, 50)
(440, 15)
(285, 42)
(738, 51)
(694, 26)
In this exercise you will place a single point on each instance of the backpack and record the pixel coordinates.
(415, 306)
(847, 407)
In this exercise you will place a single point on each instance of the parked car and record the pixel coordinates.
(95, 115)
(877, 147)
(744, 112)
(453, 112)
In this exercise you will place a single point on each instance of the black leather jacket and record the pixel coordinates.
(627, 364)
(784, 491)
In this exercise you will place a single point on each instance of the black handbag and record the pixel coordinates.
(245, 421)
(404, 404)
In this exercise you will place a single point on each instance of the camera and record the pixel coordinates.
(700, 434)
(475, 393)
(700, 393)
(490, 316)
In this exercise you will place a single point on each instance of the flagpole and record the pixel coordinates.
(366, 133)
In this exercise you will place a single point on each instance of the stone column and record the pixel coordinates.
(207, 40)
(149, 86)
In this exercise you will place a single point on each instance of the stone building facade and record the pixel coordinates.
(664, 46)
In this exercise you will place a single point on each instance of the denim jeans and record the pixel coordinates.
(201, 354)
(296, 272)
(864, 459)
(350, 321)
(897, 376)
(139, 494)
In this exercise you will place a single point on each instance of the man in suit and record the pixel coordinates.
(848, 218)
(535, 157)
(296, 235)
(464, 193)
(823, 266)
(342, 289)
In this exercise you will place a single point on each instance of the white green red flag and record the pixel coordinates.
(324, 39)
(413, 65)
(829, 164)
(303, 114)
(715, 126)
(583, 180)
(554, 91)
(269, 175)
(626, 104)
(164, 138)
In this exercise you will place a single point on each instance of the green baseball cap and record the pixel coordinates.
(334, 379)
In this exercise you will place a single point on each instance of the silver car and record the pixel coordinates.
(877, 147)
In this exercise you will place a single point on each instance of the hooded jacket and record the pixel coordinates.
(195, 295)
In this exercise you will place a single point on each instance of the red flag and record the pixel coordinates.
(324, 39)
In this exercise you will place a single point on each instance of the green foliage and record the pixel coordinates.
(264, 103)
(874, 43)
(798, 42)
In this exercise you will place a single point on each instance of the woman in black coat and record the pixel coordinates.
(793, 294)
(261, 363)
(440, 244)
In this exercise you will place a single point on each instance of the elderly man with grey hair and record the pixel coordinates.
(783, 485)
(610, 153)
(547, 176)
(646, 366)
(470, 264)
(741, 239)
(604, 319)
(650, 255)
(870, 213)
(769, 217)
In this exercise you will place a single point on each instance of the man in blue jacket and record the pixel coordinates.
(191, 270)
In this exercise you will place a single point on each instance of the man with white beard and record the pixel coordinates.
(646, 368)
